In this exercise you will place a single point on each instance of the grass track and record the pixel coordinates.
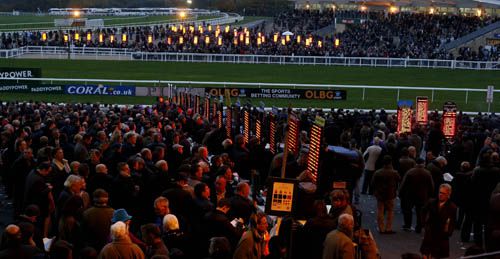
(281, 74)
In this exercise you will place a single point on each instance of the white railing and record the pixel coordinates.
(223, 19)
(190, 84)
(127, 54)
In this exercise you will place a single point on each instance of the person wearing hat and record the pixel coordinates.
(122, 215)
(97, 220)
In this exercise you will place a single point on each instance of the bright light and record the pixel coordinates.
(181, 40)
(207, 40)
(363, 8)
(337, 43)
(112, 38)
(283, 42)
(308, 6)
(479, 12)
(77, 36)
(182, 15)
(393, 9)
(219, 41)
(66, 38)
(89, 36)
(150, 39)
(334, 7)
(298, 39)
(76, 13)
(44, 36)
(189, 2)
(124, 37)
(101, 38)
(432, 10)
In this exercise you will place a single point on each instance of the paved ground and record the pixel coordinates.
(390, 246)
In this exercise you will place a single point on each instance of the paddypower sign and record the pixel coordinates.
(28, 88)
(15, 72)
(278, 93)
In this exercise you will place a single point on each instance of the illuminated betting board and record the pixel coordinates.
(315, 146)
(272, 134)
(215, 112)
(449, 119)
(219, 119)
(246, 125)
(449, 124)
(197, 104)
(422, 110)
(258, 130)
(229, 122)
(293, 134)
(206, 109)
(404, 119)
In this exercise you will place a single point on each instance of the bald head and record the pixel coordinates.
(101, 168)
(12, 229)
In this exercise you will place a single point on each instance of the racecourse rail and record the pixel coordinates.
(169, 84)
(224, 18)
(128, 54)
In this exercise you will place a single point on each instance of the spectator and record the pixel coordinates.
(439, 215)
(253, 243)
(97, 221)
(385, 185)
(338, 243)
(121, 246)
(152, 237)
(416, 188)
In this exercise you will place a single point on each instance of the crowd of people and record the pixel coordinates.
(371, 34)
(91, 181)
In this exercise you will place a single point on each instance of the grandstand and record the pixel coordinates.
(126, 11)
(381, 34)
(213, 111)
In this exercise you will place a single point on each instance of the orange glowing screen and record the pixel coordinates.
(272, 132)
(422, 109)
(404, 120)
(449, 124)
(229, 122)
(246, 125)
(293, 134)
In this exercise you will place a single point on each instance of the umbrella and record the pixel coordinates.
(287, 33)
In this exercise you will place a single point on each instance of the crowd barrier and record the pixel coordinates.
(128, 54)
